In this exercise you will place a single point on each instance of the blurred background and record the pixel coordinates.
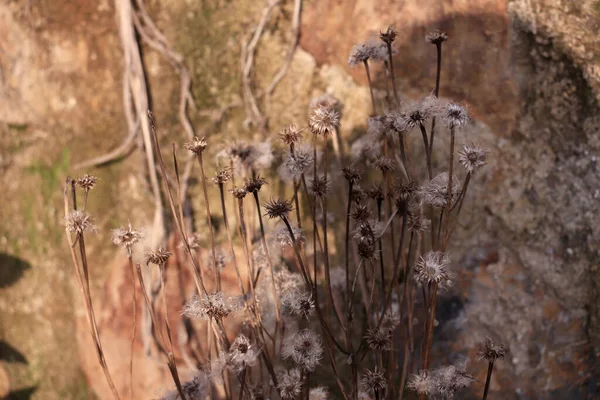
(77, 75)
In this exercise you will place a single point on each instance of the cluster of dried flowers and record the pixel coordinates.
(348, 301)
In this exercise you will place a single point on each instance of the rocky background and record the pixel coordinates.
(529, 71)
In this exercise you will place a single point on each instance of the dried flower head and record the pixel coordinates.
(211, 305)
(384, 164)
(376, 193)
(290, 384)
(242, 353)
(79, 221)
(359, 54)
(491, 352)
(390, 321)
(374, 381)
(417, 223)
(304, 349)
(298, 302)
(433, 268)
(435, 191)
(222, 176)
(197, 145)
(351, 174)
(295, 164)
(126, 237)
(319, 187)
(388, 36)
(86, 182)
(253, 185)
(366, 249)
(158, 257)
(195, 241)
(323, 119)
(436, 37)
(405, 191)
(358, 194)
(278, 208)
(455, 116)
(361, 213)
(416, 114)
(238, 192)
(318, 393)
(291, 134)
(422, 383)
(286, 281)
(473, 157)
(379, 338)
(197, 388)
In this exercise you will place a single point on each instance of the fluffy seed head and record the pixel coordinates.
(379, 339)
(435, 191)
(418, 223)
(197, 145)
(211, 305)
(158, 257)
(473, 157)
(491, 352)
(79, 221)
(455, 116)
(319, 187)
(304, 349)
(318, 393)
(422, 383)
(278, 208)
(295, 164)
(433, 268)
(126, 237)
(290, 134)
(86, 182)
(374, 381)
(298, 303)
(290, 384)
(384, 164)
(242, 353)
(436, 37)
(323, 119)
(282, 236)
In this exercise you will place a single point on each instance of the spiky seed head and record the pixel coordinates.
(435, 191)
(361, 213)
(404, 191)
(388, 36)
(238, 192)
(323, 119)
(366, 249)
(491, 352)
(212, 305)
(318, 393)
(278, 208)
(79, 222)
(290, 384)
(222, 176)
(295, 164)
(455, 116)
(358, 194)
(422, 383)
(379, 338)
(298, 303)
(432, 268)
(242, 353)
(304, 349)
(390, 321)
(197, 145)
(319, 187)
(384, 164)
(86, 182)
(351, 174)
(376, 193)
(473, 157)
(437, 37)
(158, 257)
(253, 185)
(126, 237)
(374, 381)
(290, 134)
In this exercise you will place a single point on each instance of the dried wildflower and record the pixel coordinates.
(211, 305)
(379, 339)
(368, 230)
(298, 302)
(304, 349)
(253, 185)
(374, 381)
(86, 182)
(433, 268)
(291, 134)
(278, 208)
(295, 164)
(417, 223)
(197, 388)
(361, 213)
(384, 164)
(422, 383)
(319, 187)
(286, 281)
(242, 353)
(455, 116)
(491, 352)
(79, 221)
(197, 145)
(283, 238)
(359, 54)
(473, 157)
(290, 384)
(358, 194)
(436, 37)
(448, 379)
(366, 249)
(435, 191)
(318, 393)
(388, 36)
(126, 237)
(238, 192)
(158, 257)
(375, 193)
(323, 119)
(390, 321)
(222, 176)
(366, 148)
(405, 191)
(351, 174)
(416, 114)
